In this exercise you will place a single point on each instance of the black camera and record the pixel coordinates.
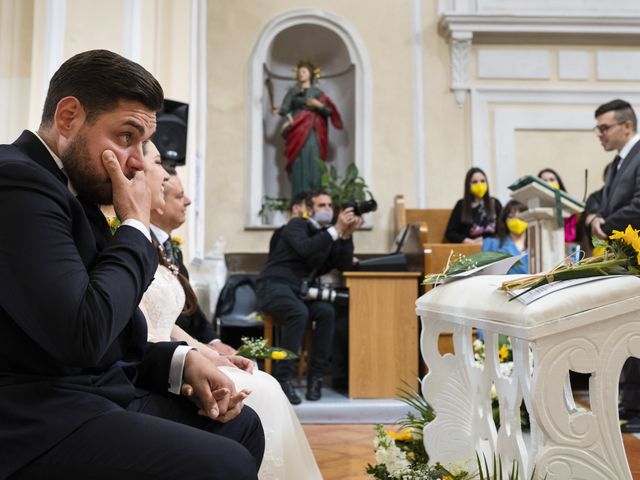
(360, 208)
(323, 292)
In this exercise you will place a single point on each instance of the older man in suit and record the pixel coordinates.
(616, 128)
(82, 393)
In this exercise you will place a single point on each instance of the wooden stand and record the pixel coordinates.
(383, 332)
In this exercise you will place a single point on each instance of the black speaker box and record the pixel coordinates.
(171, 132)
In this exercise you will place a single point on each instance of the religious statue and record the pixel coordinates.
(306, 110)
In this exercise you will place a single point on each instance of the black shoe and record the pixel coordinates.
(290, 392)
(631, 425)
(314, 388)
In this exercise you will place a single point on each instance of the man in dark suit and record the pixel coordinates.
(616, 128)
(306, 249)
(163, 222)
(82, 393)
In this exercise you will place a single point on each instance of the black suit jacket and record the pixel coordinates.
(302, 250)
(72, 340)
(620, 203)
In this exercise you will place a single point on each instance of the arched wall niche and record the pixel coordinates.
(331, 42)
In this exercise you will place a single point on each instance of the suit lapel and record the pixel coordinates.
(612, 181)
(35, 149)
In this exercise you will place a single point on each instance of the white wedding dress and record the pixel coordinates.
(287, 453)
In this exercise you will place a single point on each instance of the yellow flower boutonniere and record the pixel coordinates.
(176, 244)
(114, 223)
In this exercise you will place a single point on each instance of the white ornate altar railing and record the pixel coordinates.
(592, 328)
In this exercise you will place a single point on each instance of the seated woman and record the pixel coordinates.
(474, 216)
(553, 179)
(511, 236)
(287, 452)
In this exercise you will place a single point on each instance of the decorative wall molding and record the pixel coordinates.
(573, 65)
(464, 20)
(508, 119)
(618, 65)
(54, 40)
(255, 91)
(509, 63)
(197, 133)
(418, 103)
(461, 65)
(131, 30)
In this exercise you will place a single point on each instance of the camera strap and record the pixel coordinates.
(312, 276)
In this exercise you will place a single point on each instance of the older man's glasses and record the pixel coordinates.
(604, 128)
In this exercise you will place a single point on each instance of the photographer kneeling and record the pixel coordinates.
(308, 248)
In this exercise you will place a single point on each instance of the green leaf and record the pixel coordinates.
(597, 242)
(479, 259)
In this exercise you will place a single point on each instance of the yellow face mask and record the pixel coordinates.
(555, 185)
(517, 226)
(479, 189)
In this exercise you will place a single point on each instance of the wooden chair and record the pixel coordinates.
(432, 221)
(270, 324)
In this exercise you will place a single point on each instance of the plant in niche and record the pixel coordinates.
(351, 187)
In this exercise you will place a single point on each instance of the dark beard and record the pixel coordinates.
(91, 184)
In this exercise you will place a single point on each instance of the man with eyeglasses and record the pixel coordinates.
(616, 128)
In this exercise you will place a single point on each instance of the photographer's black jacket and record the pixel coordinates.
(302, 248)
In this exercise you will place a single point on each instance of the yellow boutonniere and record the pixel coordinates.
(176, 243)
(114, 223)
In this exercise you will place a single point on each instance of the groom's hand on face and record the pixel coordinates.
(131, 198)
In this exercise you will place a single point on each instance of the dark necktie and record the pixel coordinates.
(168, 251)
(614, 166)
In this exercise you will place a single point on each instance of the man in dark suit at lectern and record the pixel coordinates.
(616, 128)
(82, 393)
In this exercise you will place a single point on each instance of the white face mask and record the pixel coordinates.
(323, 217)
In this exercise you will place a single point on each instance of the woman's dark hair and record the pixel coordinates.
(313, 68)
(100, 79)
(501, 227)
(550, 170)
(467, 199)
(191, 301)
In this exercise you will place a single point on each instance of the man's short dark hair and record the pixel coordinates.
(315, 194)
(623, 111)
(298, 198)
(100, 79)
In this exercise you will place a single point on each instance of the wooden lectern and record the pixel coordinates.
(383, 332)
(547, 207)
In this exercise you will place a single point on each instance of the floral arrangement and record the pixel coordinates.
(619, 256)
(257, 348)
(400, 455)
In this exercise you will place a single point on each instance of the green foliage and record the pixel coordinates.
(484, 473)
(344, 189)
(273, 204)
(462, 263)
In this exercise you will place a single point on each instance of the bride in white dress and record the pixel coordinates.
(287, 452)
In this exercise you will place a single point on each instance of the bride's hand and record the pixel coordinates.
(233, 361)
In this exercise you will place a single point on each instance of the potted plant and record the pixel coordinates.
(274, 210)
(347, 189)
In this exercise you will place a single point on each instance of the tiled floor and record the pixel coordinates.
(343, 451)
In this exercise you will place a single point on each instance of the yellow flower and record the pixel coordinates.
(448, 477)
(503, 353)
(402, 436)
(278, 355)
(628, 236)
(176, 240)
(599, 251)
